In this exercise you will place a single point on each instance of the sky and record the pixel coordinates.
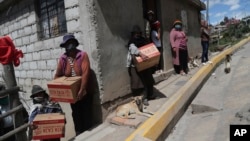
(218, 9)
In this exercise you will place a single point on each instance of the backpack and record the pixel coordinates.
(63, 60)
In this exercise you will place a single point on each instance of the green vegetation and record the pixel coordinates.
(232, 35)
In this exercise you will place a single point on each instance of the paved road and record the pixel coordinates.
(223, 100)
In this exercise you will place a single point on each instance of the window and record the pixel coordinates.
(52, 20)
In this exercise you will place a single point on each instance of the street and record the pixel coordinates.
(222, 101)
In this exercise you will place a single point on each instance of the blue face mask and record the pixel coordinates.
(177, 26)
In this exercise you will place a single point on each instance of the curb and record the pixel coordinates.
(154, 127)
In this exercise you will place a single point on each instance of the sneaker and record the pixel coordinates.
(160, 71)
(204, 64)
(209, 62)
(145, 102)
(182, 73)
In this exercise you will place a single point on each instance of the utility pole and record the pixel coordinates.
(207, 12)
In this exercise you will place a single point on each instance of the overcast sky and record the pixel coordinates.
(218, 9)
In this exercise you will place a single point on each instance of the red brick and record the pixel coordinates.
(132, 123)
(118, 120)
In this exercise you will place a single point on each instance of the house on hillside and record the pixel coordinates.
(103, 29)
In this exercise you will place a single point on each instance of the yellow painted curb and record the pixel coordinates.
(153, 127)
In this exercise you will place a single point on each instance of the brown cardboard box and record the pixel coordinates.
(64, 89)
(154, 56)
(49, 126)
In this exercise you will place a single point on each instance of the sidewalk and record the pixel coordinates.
(174, 93)
(117, 132)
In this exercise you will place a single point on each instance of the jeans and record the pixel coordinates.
(204, 57)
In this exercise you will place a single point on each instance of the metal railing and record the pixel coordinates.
(12, 112)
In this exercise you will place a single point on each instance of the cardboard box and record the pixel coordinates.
(64, 89)
(154, 56)
(49, 126)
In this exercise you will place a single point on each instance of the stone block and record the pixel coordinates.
(33, 38)
(73, 26)
(45, 54)
(14, 35)
(36, 56)
(24, 22)
(51, 64)
(30, 48)
(31, 18)
(132, 123)
(56, 53)
(25, 40)
(27, 82)
(28, 57)
(41, 65)
(18, 42)
(33, 65)
(117, 120)
(47, 74)
(38, 46)
(38, 74)
(28, 30)
(126, 122)
(25, 65)
(70, 3)
(23, 74)
(72, 13)
(30, 73)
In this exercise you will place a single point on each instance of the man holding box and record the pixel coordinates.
(75, 62)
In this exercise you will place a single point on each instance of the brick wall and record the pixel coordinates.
(41, 56)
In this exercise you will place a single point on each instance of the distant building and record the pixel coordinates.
(232, 21)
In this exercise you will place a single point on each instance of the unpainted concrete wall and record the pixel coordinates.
(115, 21)
(178, 10)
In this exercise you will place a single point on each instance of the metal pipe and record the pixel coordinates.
(9, 91)
(13, 132)
(12, 111)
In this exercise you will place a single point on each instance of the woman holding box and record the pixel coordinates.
(145, 76)
(75, 62)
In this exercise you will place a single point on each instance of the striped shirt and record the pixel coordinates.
(71, 63)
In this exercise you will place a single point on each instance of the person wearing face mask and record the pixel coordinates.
(75, 62)
(143, 81)
(41, 105)
(178, 42)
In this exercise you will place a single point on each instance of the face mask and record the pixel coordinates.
(39, 99)
(178, 27)
(70, 47)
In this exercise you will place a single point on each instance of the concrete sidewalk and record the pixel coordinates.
(174, 93)
(121, 129)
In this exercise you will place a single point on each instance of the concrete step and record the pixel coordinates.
(158, 77)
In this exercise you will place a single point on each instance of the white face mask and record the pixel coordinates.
(178, 27)
(39, 99)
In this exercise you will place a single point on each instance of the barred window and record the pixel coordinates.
(52, 20)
